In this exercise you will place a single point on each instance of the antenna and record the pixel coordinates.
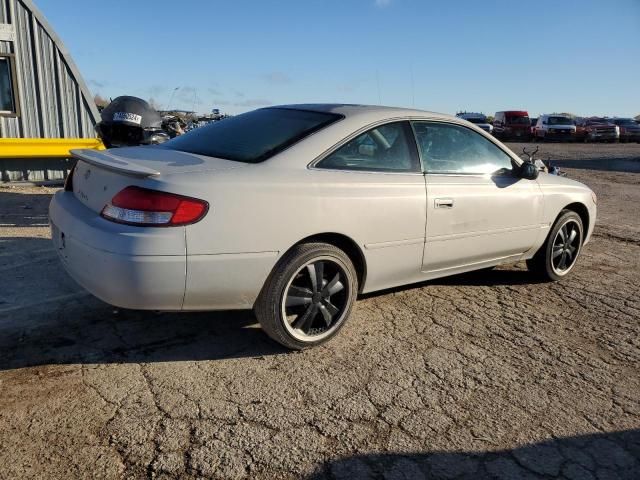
(413, 93)
(378, 82)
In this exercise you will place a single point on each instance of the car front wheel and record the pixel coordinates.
(308, 297)
(557, 257)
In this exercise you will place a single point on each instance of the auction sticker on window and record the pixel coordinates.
(127, 117)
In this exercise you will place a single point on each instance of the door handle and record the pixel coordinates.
(443, 203)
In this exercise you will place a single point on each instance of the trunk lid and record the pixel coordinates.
(100, 175)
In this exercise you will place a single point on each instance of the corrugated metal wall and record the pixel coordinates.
(54, 103)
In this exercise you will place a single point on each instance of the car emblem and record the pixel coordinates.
(87, 174)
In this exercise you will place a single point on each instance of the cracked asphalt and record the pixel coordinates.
(484, 375)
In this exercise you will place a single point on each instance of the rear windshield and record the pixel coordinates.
(518, 120)
(477, 120)
(254, 136)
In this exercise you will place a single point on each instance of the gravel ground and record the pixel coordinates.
(484, 375)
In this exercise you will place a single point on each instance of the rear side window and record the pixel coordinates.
(386, 148)
(254, 136)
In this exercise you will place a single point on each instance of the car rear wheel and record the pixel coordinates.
(308, 297)
(557, 257)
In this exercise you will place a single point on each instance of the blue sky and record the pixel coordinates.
(581, 56)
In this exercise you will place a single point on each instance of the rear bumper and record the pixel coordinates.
(112, 262)
(146, 268)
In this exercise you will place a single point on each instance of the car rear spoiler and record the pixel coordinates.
(111, 161)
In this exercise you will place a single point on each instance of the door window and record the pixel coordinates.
(447, 148)
(382, 149)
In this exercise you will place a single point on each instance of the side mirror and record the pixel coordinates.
(528, 171)
(544, 122)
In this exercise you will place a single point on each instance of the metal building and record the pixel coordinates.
(46, 107)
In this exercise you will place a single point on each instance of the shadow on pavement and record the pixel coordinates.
(85, 330)
(478, 278)
(614, 455)
(47, 319)
(24, 210)
(628, 165)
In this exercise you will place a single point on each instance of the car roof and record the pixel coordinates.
(373, 112)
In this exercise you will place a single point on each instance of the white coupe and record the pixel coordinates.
(295, 210)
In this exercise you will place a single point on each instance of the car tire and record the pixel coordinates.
(307, 313)
(560, 247)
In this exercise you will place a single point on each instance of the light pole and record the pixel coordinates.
(171, 99)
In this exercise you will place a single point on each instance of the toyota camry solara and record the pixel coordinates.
(295, 210)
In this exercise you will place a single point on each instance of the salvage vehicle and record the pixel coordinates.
(595, 129)
(478, 119)
(534, 122)
(629, 129)
(512, 125)
(295, 210)
(555, 128)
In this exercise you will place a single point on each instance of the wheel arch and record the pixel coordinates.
(582, 210)
(348, 246)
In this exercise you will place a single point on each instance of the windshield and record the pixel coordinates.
(625, 121)
(518, 120)
(477, 120)
(597, 121)
(254, 136)
(559, 121)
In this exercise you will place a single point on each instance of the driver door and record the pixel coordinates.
(478, 213)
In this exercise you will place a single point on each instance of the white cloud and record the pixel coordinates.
(382, 3)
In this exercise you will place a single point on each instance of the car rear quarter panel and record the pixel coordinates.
(258, 213)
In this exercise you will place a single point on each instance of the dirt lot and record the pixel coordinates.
(486, 375)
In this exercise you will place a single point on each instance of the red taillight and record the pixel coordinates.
(144, 207)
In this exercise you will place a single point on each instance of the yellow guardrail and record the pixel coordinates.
(45, 147)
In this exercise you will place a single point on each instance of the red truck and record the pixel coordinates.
(596, 129)
(512, 125)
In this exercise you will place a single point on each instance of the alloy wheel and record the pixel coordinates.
(315, 299)
(566, 247)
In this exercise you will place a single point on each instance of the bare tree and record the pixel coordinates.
(153, 103)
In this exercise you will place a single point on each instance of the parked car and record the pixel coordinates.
(478, 119)
(512, 125)
(555, 128)
(629, 129)
(295, 210)
(534, 122)
(596, 129)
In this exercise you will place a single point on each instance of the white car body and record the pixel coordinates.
(545, 130)
(404, 227)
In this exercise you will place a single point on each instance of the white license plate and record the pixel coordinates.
(127, 117)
